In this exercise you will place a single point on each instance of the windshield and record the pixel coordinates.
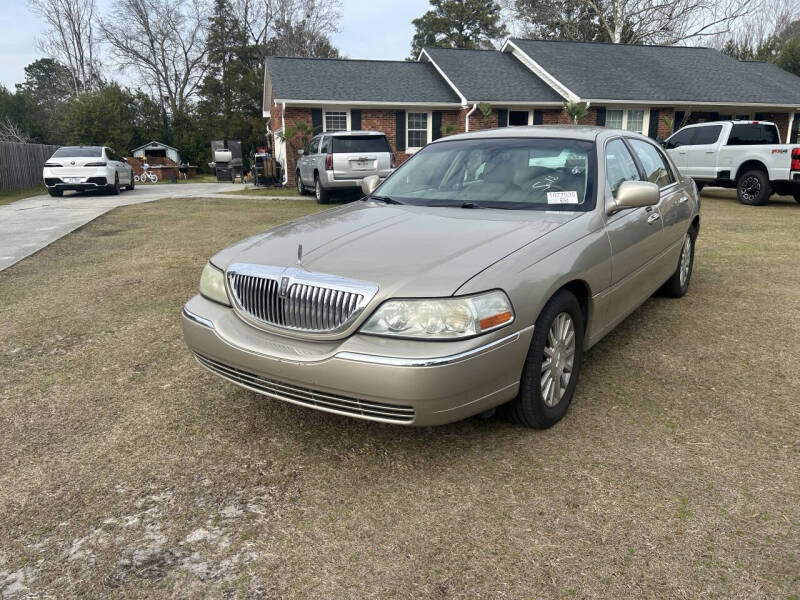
(360, 143)
(79, 152)
(510, 173)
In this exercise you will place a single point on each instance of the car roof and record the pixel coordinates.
(572, 132)
(356, 132)
(737, 122)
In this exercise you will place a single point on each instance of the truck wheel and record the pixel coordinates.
(323, 195)
(796, 196)
(553, 364)
(699, 185)
(753, 188)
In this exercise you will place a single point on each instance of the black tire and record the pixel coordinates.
(56, 193)
(132, 184)
(529, 407)
(796, 197)
(677, 286)
(323, 195)
(753, 188)
(114, 189)
(700, 185)
(301, 187)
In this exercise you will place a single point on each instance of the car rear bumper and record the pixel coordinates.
(329, 182)
(360, 377)
(96, 183)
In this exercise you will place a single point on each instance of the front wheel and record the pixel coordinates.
(301, 188)
(551, 370)
(753, 188)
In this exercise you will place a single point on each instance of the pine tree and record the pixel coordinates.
(458, 24)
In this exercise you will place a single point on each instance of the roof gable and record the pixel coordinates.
(491, 76)
(357, 81)
(601, 71)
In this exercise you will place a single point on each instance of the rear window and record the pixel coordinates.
(360, 143)
(79, 152)
(706, 135)
(747, 134)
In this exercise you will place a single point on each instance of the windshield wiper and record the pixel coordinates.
(386, 199)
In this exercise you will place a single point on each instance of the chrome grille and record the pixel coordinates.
(376, 411)
(297, 299)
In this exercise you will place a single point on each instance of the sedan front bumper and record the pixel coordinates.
(379, 379)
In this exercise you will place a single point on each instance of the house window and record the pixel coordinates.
(517, 118)
(632, 119)
(417, 130)
(614, 118)
(635, 121)
(336, 120)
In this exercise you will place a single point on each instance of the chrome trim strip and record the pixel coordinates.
(197, 318)
(435, 361)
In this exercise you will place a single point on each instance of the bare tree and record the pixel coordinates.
(11, 132)
(71, 38)
(290, 27)
(759, 35)
(163, 43)
(637, 21)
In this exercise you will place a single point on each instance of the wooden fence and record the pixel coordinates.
(21, 164)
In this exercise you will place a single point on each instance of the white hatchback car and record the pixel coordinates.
(84, 168)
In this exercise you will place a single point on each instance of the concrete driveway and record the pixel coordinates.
(28, 225)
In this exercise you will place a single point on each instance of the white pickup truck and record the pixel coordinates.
(746, 155)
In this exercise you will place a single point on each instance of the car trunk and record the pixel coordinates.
(358, 156)
(74, 166)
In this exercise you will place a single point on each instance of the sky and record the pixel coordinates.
(368, 29)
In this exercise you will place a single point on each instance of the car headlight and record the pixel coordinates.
(441, 318)
(212, 284)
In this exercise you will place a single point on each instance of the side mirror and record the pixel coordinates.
(301, 152)
(368, 184)
(634, 194)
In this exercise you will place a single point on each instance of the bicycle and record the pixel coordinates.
(146, 176)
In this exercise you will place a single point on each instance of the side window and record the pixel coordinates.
(313, 145)
(747, 134)
(683, 138)
(707, 135)
(655, 168)
(326, 145)
(619, 165)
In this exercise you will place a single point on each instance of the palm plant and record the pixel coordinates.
(296, 135)
(576, 111)
(485, 108)
(449, 129)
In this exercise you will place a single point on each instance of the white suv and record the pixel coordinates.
(85, 168)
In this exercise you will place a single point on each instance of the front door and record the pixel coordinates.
(701, 155)
(677, 147)
(636, 237)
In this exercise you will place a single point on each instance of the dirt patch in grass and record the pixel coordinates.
(127, 471)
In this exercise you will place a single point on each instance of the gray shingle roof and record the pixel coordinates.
(492, 76)
(357, 81)
(660, 73)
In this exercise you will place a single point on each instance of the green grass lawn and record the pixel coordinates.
(129, 472)
(8, 196)
(270, 191)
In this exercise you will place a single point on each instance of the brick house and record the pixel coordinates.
(651, 89)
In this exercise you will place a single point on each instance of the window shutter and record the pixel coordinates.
(793, 137)
(400, 130)
(502, 117)
(761, 116)
(714, 116)
(436, 125)
(355, 119)
(538, 117)
(316, 120)
(652, 129)
(601, 117)
(678, 122)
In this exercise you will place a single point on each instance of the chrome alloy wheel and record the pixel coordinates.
(559, 355)
(686, 261)
(751, 188)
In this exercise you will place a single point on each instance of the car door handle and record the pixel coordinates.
(653, 218)
(683, 199)
(709, 152)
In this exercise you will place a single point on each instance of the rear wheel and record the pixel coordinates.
(700, 185)
(753, 188)
(551, 369)
(114, 189)
(55, 192)
(677, 285)
(323, 195)
(796, 196)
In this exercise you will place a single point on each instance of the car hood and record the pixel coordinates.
(408, 251)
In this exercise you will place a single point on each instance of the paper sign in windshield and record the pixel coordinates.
(562, 197)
